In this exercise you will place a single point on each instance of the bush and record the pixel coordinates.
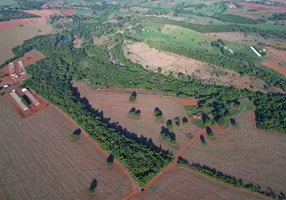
(169, 124)
(133, 96)
(74, 137)
(158, 113)
(108, 164)
(185, 121)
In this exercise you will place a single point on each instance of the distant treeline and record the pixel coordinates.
(237, 19)
(221, 28)
(9, 15)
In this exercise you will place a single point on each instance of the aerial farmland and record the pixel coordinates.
(139, 100)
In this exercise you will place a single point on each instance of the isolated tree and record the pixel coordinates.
(109, 161)
(133, 96)
(92, 187)
(169, 124)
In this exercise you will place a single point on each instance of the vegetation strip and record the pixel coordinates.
(228, 179)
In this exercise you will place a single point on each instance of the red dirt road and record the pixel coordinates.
(189, 102)
(170, 167)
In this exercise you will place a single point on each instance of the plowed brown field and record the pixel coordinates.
(179, 184)
(116, 106)
(253, 155)
(276, 61)
(39, 162)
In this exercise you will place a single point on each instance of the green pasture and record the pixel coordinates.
(9, 3)
(208, 9)
(187, 38)
(199, 123)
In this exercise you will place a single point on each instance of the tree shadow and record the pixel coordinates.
(209, 131)
(185, 120)
(110, 158)
(115, 125)
(93, 184)
(132, 110)
(77, 132)
(233, 122)
(202, 139)
(138, 112)
(167, 132)
(157, 110)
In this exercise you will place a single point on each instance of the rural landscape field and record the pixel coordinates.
(142, 99)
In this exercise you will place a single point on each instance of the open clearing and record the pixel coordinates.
(116, 105)
(6, 25)
(180, 184)
(277, 60)
(141, 53)
(248, 39)
(16, 36)
(262, 8)
(247, 153)
(39, 162)
(243, 13)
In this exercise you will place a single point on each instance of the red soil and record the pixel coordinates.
(28, 59)
(68, 11)
(282, 21)
(171, 3)
(189, 102)
(262, 7)
(277, 60)
(44, 13)
(51, 5)
(25, 22)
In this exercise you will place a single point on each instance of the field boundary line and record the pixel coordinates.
(224, 184)
(135, 187)
(168, 168)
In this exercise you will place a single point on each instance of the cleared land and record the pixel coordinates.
(117, 106)
(247, 153)
(262, 8)
(39, 162)
(276, 60)
(246, 39)
(180, 184)
(243, 13)
(16, 36)
(141, 53)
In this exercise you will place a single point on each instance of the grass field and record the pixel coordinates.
(38, 161)
(187, 38)
(9, 3)
(180, 184)
(245, 152)
(117, 106)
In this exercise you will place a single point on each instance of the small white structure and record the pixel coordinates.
(30, 96)
(12, 69)
(254, 50)
(5, 86)
(22, 68)
(18, 100)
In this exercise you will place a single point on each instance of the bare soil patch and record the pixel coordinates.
(262, 8)
(141, 53)
(243, 13)
(253, 155)
(51, 5)
(44, 13)
(248, 39)
(277, 60)
(39, 162)
(179, 184)
(77, 41)
(68, 11)
(116, 105)
(6, 25)
(16, 36)
(169, 17)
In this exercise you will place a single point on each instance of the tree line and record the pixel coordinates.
(51, 78)
(6, 15)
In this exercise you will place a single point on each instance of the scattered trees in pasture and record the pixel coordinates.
(158, 113)
(133, 96)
